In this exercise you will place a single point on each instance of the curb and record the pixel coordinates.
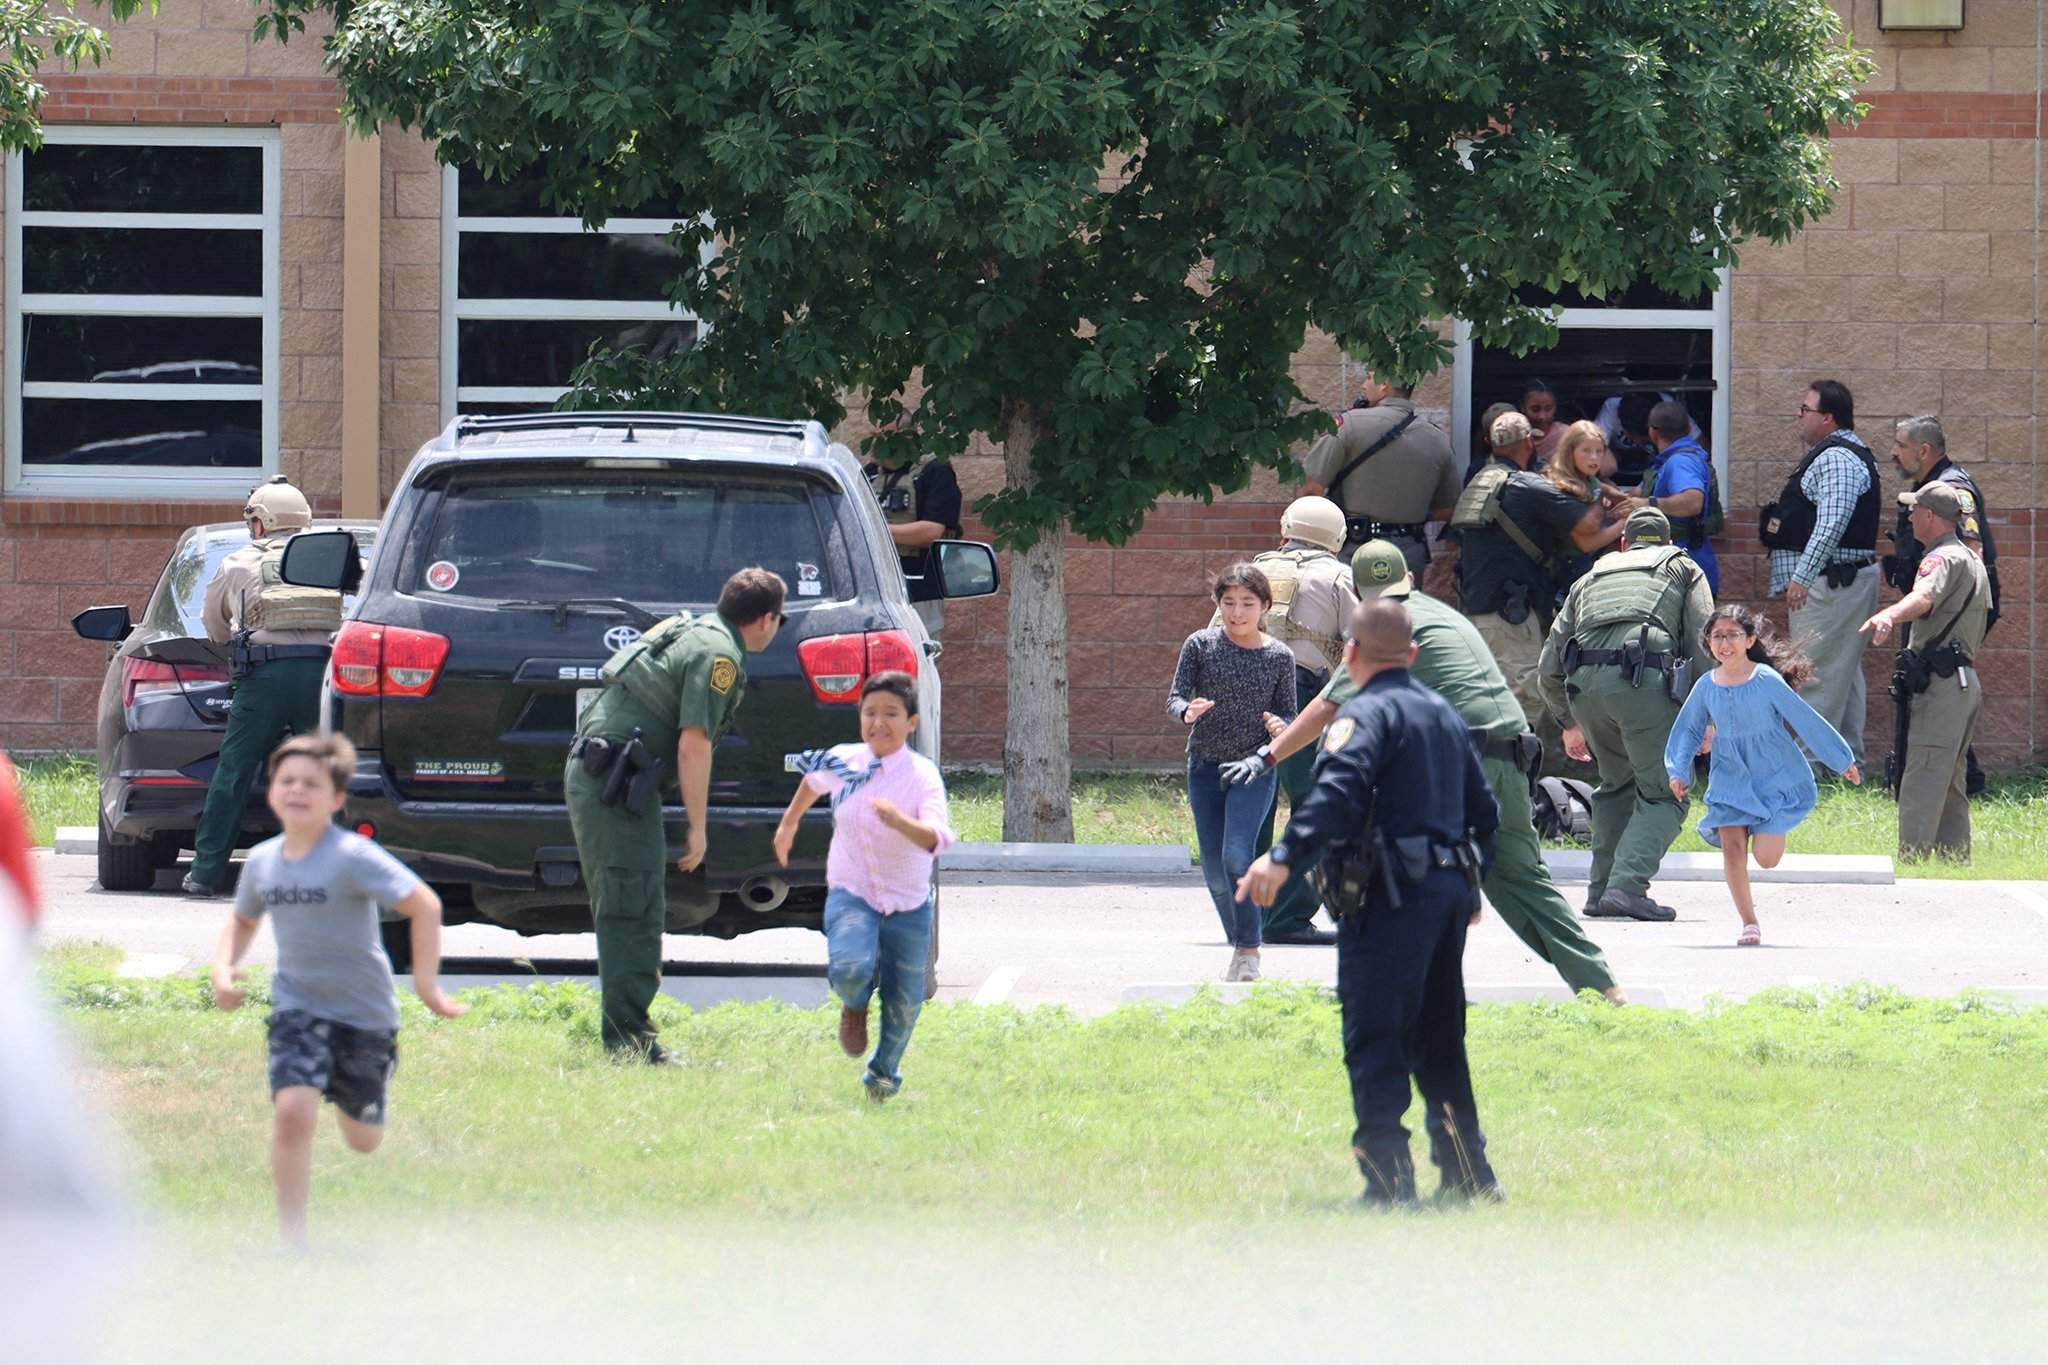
(1831, 869)
(1146, 859)
(81, 839)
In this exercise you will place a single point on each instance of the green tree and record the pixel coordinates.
(31, 31)
(1097, 232)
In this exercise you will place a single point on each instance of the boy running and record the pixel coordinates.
(334, 1018)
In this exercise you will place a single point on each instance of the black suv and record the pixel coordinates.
(517, 553)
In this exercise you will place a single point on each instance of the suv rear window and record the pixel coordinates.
(642, 537)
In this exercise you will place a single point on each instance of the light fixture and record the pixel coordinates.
(1923, 15)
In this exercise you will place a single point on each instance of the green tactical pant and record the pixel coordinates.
(1520, 890)
(625, 867)
(269, 701)
(1635, 816)
(1295, 906)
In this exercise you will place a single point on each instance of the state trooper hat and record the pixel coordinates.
(1647, 526)
(1379, 569)
(279, 506)
(1509, 428)
(1939, 498)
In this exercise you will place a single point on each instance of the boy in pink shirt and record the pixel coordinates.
(888, 827)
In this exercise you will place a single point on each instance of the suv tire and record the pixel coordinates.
(124, 865)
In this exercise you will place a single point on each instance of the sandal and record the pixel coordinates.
(1752, 936)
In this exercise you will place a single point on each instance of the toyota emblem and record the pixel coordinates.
(618, 637)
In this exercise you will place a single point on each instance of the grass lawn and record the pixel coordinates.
(2009, 823)
(60, 790)
(1862, 1107)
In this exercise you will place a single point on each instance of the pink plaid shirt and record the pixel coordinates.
(874, 862)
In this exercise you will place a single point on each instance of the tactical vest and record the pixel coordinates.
(1634, 588)
(1479, 506)
(633, 666)
(286, 606)
(896, 491)
(1788, 523)
(1283, 569)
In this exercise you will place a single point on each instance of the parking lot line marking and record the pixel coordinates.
(997, 988)
(2037, 904)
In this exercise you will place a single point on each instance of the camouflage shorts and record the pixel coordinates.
(350, 1066)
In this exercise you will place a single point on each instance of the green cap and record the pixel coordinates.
(1647, 526)
(1380, 570)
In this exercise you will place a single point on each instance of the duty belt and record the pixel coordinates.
(1508, 749)
(1659, 660)
(1365, 528)
(1842, 572)
(248, 658)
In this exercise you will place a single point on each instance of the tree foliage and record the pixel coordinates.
(1111, 223)
(32, 31)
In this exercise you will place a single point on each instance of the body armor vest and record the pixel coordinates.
(286, 606)
(1283, 570)
(1479, 506)
(896, 491)
(623, 668)
(1634, 588)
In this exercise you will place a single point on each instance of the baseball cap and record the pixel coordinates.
(1379, 569)
(1939, 498)
(1647, 526)
(279, 505)
(1509, 428)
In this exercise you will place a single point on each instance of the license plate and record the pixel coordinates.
(584, 697)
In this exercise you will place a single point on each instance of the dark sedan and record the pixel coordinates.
(163, 712)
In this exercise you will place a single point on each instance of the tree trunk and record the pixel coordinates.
(1038, 766)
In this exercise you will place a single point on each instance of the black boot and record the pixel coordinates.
(1389, 1179)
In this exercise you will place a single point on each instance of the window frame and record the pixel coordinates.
(456, 310)
(1715, 318)
(194, 482)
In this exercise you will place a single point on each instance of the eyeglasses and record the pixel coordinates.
(780, 617)
(1805, 409)
(1728, 637)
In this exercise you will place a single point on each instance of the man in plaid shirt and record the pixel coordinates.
(1822, 534)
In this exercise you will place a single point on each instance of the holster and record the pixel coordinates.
(1841, 574)
(1633, 654)
(1514, 603)
(628, 761)
(1946, 662)
(594, 752)
(1572, 650)
(1678, 679)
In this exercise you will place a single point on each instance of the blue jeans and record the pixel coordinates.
(867, 951)
(1227, 827)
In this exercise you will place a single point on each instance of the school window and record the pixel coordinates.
(1643, 344)
(141, 314)
(526, 292)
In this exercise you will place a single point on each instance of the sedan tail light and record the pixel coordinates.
(140, 677)
(837, 665)
(373, 660)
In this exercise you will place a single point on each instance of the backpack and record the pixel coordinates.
(1563, 809)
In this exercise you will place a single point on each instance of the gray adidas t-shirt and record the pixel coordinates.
(323, 909)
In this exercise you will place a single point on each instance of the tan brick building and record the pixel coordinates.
(284, 299)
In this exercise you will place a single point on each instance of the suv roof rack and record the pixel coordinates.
(565, 421)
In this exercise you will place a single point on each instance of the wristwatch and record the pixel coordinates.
(1278, 853)
(1265, 752)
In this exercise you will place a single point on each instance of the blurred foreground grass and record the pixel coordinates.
(1860, 1106)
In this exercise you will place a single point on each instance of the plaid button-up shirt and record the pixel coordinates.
(1834, 482)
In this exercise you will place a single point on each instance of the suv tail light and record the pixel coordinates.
(837, 665)
(152, 675)
(372, 660)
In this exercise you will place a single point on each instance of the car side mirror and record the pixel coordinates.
(110, 624)
(322, 559)
(964, 568)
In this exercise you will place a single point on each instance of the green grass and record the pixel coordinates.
(1860, 1107)
(2009, 823)
(60, 790)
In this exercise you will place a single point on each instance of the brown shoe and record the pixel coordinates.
(853, 1032)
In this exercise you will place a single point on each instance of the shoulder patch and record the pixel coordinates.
(1928, 564)
(724, 673)
(1339, 734)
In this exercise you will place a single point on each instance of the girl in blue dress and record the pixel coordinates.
(1761, 783)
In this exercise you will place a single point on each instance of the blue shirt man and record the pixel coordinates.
(1682, 485)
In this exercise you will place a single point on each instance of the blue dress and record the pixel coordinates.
(1760, 777)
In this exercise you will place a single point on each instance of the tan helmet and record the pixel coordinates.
(1314, 521)
(279, 506)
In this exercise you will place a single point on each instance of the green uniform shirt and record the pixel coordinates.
(1452, 660)
(1674, 601)
(686, 671)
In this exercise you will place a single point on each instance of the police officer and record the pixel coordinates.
(1619, 659)
(281, 636)
(1921, 450)
(1402, 874)
(920, 497)
(1514, 530)
(1452, 661)
(1312, 601)
(1935, 677)
(1390, 471)
(667, 697)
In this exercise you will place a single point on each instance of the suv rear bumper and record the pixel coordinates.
(527, 847)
